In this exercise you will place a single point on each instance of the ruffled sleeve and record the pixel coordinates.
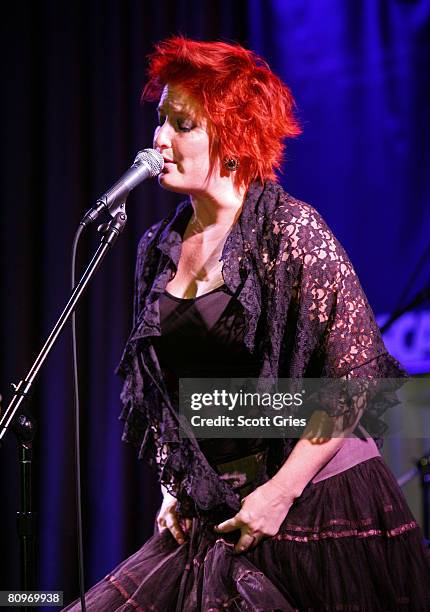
(136, 429)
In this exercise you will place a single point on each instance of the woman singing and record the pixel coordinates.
(244, 280)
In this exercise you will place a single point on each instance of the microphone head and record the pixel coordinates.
(151, 158)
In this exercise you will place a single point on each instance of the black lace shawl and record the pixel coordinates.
(306, 316)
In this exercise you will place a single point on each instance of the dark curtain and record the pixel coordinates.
(72, 123)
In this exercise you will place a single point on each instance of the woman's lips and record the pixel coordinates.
(167, 163)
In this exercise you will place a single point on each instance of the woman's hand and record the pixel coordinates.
(168, 519)
(261, 515)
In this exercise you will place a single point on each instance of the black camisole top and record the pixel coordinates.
(202, 337)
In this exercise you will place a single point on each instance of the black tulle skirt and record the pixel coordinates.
(349, 543)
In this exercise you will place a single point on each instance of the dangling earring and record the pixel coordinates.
(231, 164)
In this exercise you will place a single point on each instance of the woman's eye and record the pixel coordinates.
(161, 119)
(185, 125)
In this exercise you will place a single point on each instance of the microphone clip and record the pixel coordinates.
(113, 228)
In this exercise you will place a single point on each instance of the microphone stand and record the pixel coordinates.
(422, 468)
(25, 430)
(23, 424)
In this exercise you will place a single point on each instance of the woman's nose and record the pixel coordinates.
(162, 136)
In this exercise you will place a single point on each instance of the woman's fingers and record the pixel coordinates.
(161, 524)
(168, 519)
(235, 522)
(245, 542)
(172, 524)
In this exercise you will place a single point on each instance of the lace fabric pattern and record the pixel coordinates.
(306, 316)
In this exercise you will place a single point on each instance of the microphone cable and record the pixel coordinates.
(147, 164)
(77, 430)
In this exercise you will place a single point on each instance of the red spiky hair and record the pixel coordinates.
(250, 110)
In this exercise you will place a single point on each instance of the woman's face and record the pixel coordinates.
(183, 141)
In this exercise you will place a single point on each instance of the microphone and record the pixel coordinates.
(148, 163)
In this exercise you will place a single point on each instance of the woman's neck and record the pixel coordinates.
(217, 210)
